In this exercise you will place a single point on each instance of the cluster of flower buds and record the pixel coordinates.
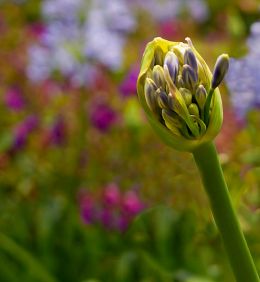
(179, 93)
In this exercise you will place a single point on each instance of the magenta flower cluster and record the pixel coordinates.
(113, 209)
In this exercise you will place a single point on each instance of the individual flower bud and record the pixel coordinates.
(179, 52)
(190, 59)
(162, 99)
(180, 81)
(172, 121)
(186, 94)
(158, 56)
(220, 70)
(189, 77)
(200, 96)
(176, 114)
(158, 76)
(194, 110)
(150, 96)
(172, 63)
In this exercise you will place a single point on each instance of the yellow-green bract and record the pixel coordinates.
(195, 131)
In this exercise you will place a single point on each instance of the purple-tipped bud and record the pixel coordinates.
(150, 96)
(190, 59)
(220, 70)
(162, 99)
(172, 63)
(158, 76)
(189, 77)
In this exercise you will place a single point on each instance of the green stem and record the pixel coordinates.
(225, 217)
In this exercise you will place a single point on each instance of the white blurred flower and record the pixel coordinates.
(162, 10)
(77, 34)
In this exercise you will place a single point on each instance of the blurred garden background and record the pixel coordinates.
(88, 191)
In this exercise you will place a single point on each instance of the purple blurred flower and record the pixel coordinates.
(14, 100)
(123, 223)
(243, 77)
(102, 117)
(107, 218)
(58, 131)
(23, 130)
(128, 86)
(87, 207)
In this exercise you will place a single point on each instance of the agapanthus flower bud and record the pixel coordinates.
(162, 99)
(175, 87)
(150, 96)
(189, 77)
(186, 94)
(190, 59)
(200, 96)
(158, 76)
(194, 110)
(171, 61)
(220, 70)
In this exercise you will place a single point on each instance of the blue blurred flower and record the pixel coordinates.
(243, 76)
(92, 31)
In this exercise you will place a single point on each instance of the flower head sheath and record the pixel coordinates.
(179, 94)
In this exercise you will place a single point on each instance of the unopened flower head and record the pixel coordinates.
(179, 93)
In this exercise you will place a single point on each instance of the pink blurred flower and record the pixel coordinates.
(132, 204)
(111, 195)
(113, 210)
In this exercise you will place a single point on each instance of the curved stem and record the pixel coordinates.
(234, 241)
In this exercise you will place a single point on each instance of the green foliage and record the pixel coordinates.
(42, 235)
